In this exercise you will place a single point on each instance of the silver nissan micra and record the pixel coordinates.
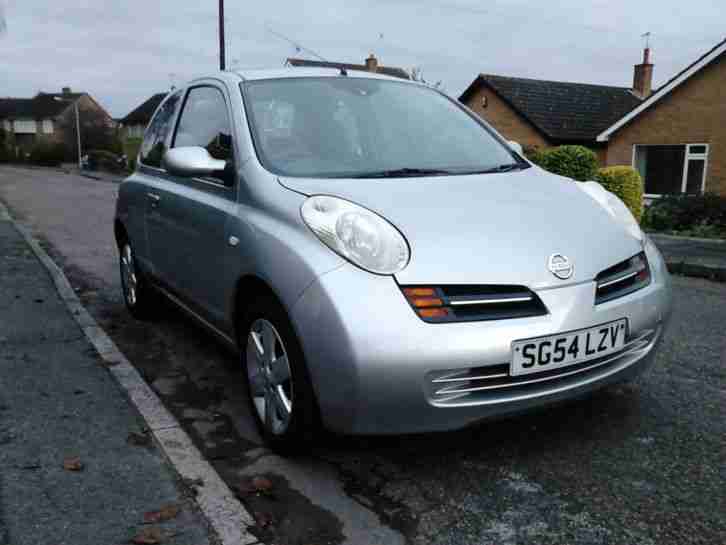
(382, 260)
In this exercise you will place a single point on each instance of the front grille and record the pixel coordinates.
(481, 385)
(621, 279)
(472, 303)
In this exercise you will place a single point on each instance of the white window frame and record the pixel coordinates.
(687, 156)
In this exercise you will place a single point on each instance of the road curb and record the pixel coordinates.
(684, 268)
(666, 236)
(222, 510)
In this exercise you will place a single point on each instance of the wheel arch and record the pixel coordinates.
(120, 233)
(247, 288)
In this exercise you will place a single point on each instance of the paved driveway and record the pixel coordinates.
(641, 464)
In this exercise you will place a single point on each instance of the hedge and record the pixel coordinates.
(47, 154)
(626, 183)
(693, 215)
(576, 162)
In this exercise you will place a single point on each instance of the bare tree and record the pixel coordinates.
(96, 133)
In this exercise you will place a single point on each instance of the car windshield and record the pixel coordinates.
(348, 127)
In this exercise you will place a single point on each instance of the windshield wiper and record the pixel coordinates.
(501, 168)
(402, 173)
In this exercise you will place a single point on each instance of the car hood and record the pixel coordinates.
(491, 228)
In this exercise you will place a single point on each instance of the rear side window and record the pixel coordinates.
(154, 145)
(205, 123)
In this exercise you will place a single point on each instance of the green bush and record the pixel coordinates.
(691, 215)
(46, 154)
(131, 147)
(536, 155)
(576, 162)
(626, 183)
(4, 151)
(103, 160)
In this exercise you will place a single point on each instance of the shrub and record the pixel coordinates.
(536, 155)
(103, 160)
(46, 154)
(626, 183)
(695, 215)
(131, 147)
(576, 162)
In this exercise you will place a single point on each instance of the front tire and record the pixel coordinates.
(139, 296)
(281, 394)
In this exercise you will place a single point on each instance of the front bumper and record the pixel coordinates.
(372, 359)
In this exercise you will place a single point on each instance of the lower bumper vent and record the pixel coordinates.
(493, 383)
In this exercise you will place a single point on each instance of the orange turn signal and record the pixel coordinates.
(422, 302)
(419, 292)
(433, 313)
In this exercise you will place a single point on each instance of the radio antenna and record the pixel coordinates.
(298, 47)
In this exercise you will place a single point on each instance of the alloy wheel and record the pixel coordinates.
(270, 380)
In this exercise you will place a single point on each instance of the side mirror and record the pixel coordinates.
(190, 161)
(516, 146)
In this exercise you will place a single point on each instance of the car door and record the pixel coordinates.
(196, 211)
(153, 180)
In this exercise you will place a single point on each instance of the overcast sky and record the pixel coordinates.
(122, 51)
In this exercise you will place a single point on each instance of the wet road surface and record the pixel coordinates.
(644, 463)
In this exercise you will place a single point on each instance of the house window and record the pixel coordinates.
(672, 169)
(48, 126)
(25, 126)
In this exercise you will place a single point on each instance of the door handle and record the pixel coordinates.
(154, 198)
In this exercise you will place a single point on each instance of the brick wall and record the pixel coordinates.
(694, 113)
(505, 120)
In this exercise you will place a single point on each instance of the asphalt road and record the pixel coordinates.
(645, 463)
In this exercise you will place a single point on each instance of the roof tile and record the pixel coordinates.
(562, 111)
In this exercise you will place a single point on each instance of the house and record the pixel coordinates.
(540, 114)
(134, 124)
(47, 116)
(675, 136)
(371, 65)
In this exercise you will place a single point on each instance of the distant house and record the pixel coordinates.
(539, 113)
(48, 116)
(134, 124)
(675, 136)
(371, 65)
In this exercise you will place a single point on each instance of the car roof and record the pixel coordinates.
(291, 72)
(306, 72)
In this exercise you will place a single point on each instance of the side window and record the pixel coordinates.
(205, 122)
(154, 145)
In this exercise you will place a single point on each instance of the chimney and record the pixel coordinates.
(66, 91)
(372, 63)
(643, 76)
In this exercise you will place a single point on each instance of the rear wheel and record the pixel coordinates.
(281, 393)
(138, 294)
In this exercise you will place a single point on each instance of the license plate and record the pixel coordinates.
(555, 351)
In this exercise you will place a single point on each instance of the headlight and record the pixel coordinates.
(614, 206)
(357, 234)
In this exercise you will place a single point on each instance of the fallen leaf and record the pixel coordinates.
(167, 512)
(148, 536)
(263, 520)
(138, 439)
(261, 484)
(72, 464)
(256, 485)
